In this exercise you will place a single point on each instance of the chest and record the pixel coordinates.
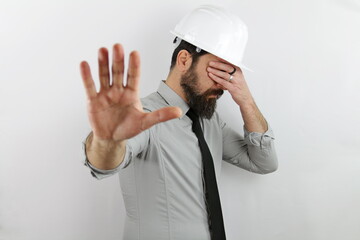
(179, 146)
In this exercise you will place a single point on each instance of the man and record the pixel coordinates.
(167, 149)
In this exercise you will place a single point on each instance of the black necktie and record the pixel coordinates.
(216, 224)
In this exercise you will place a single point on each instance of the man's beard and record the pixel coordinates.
(200, 103)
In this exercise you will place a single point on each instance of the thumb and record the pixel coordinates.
(161, 115)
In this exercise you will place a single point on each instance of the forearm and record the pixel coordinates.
(104, 154)
(254, 151)
(254, 121)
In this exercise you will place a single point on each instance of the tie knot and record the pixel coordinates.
(192, 115)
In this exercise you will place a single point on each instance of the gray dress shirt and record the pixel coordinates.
(161, 175)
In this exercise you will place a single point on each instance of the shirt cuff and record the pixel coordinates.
(100, 173)
(262, 140)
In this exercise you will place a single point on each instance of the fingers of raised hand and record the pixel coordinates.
(161, 115)
(88, 81)
(103, 60)
(133, 76)
(118, 65)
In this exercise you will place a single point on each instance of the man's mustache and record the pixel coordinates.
(217, 92)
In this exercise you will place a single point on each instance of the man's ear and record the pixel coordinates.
(183, 60)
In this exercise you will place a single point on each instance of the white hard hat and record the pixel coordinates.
(215, 30)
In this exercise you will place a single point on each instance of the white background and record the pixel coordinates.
(305, 54)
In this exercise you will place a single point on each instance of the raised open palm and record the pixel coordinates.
(115, 112)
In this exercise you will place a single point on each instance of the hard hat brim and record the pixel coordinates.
(183, 38)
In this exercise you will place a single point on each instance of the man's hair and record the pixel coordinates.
(188, 47)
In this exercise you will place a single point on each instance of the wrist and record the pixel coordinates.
(247, 104)
(95, 142)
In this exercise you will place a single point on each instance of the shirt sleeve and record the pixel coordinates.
(254, 152)
(134, 146)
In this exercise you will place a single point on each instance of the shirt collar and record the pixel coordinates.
(172, 98)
